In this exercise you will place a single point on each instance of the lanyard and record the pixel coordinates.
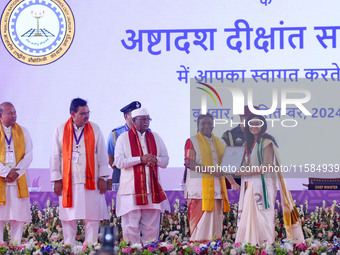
(8, 141)
(77, 139)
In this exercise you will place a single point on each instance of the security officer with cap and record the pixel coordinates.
(236, 137)
(111, 143)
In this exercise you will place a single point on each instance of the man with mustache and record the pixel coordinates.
(140, 198)
(79, 170)
(15, 158)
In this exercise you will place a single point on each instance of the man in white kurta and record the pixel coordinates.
(86, 204)
(16, 209)
(139, 219)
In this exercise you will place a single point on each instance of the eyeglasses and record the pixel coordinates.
(144, 119)
(84, 113)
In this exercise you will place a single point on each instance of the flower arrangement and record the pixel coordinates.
(44, 235)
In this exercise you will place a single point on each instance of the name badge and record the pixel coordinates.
(75, 157)
(9, 157)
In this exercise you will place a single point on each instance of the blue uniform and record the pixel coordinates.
(111, 143)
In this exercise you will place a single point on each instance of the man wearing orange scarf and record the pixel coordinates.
(79, 170)
(140, 198)
(15, 158)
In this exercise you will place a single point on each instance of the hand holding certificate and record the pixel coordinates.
(232, 159)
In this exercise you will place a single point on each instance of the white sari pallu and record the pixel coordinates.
(256, 213)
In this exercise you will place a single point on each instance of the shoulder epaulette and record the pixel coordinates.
(115, 129)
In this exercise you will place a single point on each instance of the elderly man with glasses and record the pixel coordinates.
(140, 198)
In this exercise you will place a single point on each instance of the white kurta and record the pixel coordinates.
(16, 208)
(87, 204)
(125, 197)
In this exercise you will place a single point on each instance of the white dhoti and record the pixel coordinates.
(140, 219)
(88, 205)
(137, 222)
(16, 211)
(70, 231)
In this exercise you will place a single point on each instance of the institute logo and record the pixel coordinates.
(37, 32)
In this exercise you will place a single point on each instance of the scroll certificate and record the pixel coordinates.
(232, 158)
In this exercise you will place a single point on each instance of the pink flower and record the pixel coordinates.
(41, 230)
(320, 235)
(197, 250)
(22, 246)
(263, 252)
(330, 234)
(170, 247)
(47, 224)
(237, 245)
(301, 247)
(178, 227)
(126, 250)
(57, 227)
(150, 249)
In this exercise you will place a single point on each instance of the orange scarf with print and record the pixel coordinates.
(19, 150)
(90, 183)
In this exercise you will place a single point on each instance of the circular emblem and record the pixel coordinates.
(258, 198)
(239, 214)
(37, 32)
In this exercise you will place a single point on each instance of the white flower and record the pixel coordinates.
(232, 252)
(137, 246)
(202, 245)
(172, 233)
(77, 249)
(30, 244)
(288, 247)
(317, 243)
(304, 253)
